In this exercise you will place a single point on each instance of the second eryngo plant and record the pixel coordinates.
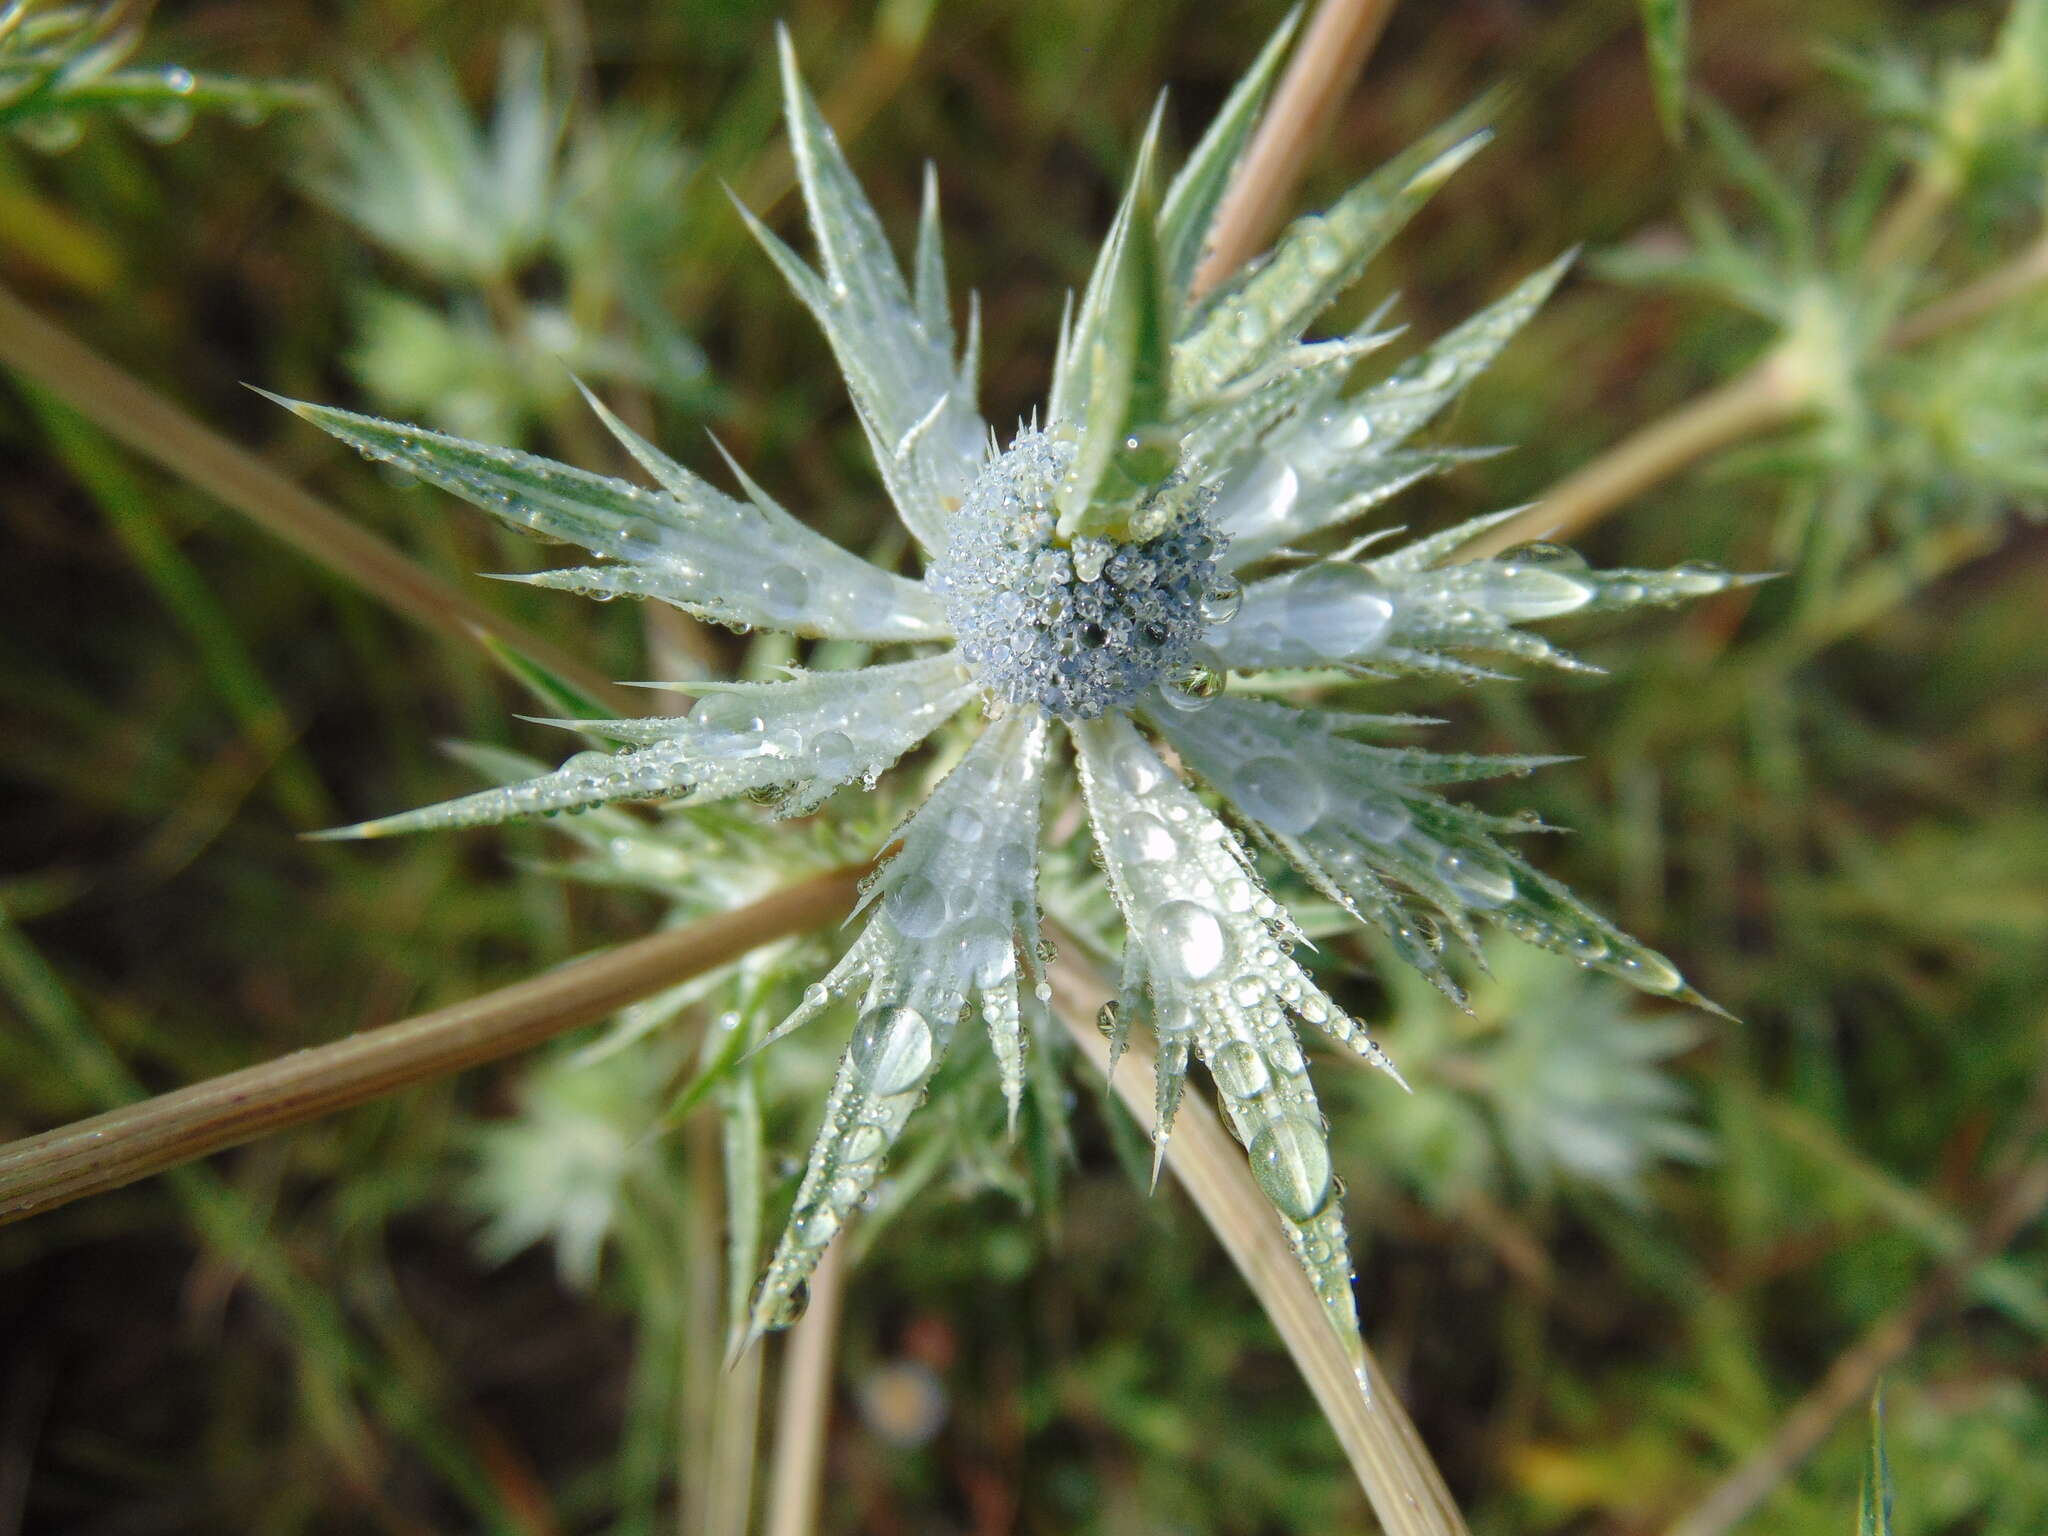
(1095, 580)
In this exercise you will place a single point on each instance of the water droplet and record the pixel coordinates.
(1147, 840)
(1239, 1070)
(784, 592)
(964, 825)
(790, 1308)
(731, 713)
(989, 953)
(1380, 822)
(1105, 1018)
(1187, 941)
(892, 1050)
(1651, 971)
(1337, 611)
(917, 907)
(1478, 882)
(1221, 602)
(1194, 689)
(1292, 1164)
(1517, 592)
(1556, 557)
(1139, 768)
(832, 755)
(1046, 951)
(1279, 792)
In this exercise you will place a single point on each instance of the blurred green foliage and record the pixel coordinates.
(1603, 1252)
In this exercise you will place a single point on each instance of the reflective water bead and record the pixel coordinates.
(1380, 822)
(1280, 792)
(1138, 768)
(989, 953)
(917, 907)
(1292, 1164)
(1147, 840)
(1479, 883)
(1337, 611)
(1186, 940)
(833, 755)
(1239, 1070)
(1221, 602)
(892, 1050)
(1193, 689)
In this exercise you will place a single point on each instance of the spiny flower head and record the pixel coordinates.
(1093, 582)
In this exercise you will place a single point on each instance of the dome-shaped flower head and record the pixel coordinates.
(1090, 586)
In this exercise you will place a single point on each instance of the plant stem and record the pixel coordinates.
(1854, 1374)
(1386, 1454)
(1996, 288)
(137, 415)
(1771, 393)
(123, 1145)
(1327, 60)
(805, 1403)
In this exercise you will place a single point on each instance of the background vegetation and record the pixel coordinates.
(1605, 1253)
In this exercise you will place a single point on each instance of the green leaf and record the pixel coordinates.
(1117, 362)
(1874, 1517)
(1666, 25)
(1272, 302)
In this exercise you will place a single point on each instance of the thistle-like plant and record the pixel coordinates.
(1096, 579)
(61, 65)
(541, 229)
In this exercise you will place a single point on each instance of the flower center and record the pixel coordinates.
(1076, 630)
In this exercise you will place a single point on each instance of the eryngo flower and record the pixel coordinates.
(1093, 582)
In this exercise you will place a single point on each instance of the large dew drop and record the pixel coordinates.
(917, 908)
(1187, 941)
(1292, 1165)
(892, 1050)
(1279, 792)
(784, 592)
(1338, 611)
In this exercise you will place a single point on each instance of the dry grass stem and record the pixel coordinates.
(1773, 392)
(1386, 1454)
(123, 1145)
(805, 1402)
(136, 415)
(1327, 60)
(1852, 1378)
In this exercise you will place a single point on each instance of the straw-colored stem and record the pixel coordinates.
(1386, 1454)
(136, 415)
(804, 1403)
(1995, 289)
(127, 1144)
(1332, 51)
(1854, 1375)
(1771, 393)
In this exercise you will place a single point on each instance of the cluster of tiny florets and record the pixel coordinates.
(1074, 629)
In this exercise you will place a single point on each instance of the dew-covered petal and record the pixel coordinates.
(805, 737)
(916, 405)
(687, 544)
(1212, 948)
(1326, 460)
(948, 917)
(1273, 302)
(1362, 824)
(1396, 613)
